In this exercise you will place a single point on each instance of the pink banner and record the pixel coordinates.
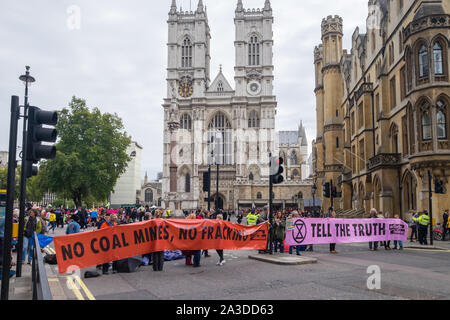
(301, 231)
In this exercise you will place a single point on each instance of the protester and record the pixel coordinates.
(188, 253)
(373, 246)
(445, 224)
(279, 232)
(74, 226)
(220, 251)
(157, 257)
(52, 219)
(110, 221)
(414, 224)
(295, 215)
(333, 245)
(32, 225)
(398, 243)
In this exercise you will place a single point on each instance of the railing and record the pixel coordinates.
(41, 288)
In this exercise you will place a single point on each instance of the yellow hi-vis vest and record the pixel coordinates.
(252, 219)
(424, 220)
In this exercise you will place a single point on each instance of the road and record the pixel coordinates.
(408, 274)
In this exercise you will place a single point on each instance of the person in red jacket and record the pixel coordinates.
(110, 221)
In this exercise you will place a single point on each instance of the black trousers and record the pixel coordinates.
(332, 247)
(220, 253)
(414, 232)
(445, 231)
(423, 232)
(158, 260)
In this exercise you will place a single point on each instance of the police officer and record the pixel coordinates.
(252, 218)
(424, 221)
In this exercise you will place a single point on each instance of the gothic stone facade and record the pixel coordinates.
(383, 108)
(208, 123)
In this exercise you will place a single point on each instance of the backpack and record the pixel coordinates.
(50, 259)
(91, 274)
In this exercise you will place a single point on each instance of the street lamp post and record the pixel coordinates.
(314, 189)
(27, 79)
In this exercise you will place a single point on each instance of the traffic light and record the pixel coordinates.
(30, 169)
(206, 182)
(439, 186)
(326, 190)
(276, 170)
(38, 134)
(336, 194)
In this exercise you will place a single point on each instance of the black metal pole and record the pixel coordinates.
(332, 198)
(270, 203)
(430, 203)
(23, 187)
(6, 265)
(209, 188)
(217, 189)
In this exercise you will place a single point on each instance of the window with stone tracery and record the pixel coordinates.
(186, 53)
(219, 140)
(253, 120)
(254, 51)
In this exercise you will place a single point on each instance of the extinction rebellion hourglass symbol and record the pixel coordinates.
(299, 232)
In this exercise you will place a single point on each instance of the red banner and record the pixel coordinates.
(87, 249)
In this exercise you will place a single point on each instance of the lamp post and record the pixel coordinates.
(27, 79)
(314, 190)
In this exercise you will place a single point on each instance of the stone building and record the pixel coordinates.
(151, 192)
(209, 122)
(383, 108)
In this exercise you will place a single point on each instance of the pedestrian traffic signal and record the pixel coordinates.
(439, 186)
(326, 190)
(38, 134)
(276, 170)
(30, 169)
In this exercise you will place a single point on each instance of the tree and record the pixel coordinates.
(4, 180)
(91, 154)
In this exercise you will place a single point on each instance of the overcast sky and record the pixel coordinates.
(116, 60)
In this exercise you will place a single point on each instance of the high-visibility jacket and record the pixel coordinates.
(167, 215)
(52, 217)
(424, 220)
(252, 219)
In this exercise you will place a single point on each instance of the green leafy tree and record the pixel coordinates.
(91, 154)
(4, 180)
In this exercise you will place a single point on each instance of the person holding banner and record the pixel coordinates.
(413, 224)
(373, 246)
(279, 232)
(188, 253)
(220, 252)
(387, 244)
(333, 245)
(158, 257)
(110, 221)
(399, 243)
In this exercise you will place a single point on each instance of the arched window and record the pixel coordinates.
(423, 61)
(186, 53)
(251, 177)
(186, 122)
(437, 57)
(441, 120)
(426, 125)
(294, 160)
(253, 120)
(253, 51)
(220, 86)
(300, 195)
(220, 140)
(188, 183)
(148, 196)
(259, 196)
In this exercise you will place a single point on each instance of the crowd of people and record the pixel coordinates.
(76, 220)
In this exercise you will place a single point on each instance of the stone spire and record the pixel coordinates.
(200, 6)
(173, 7)
(267, 6)
(240, 6)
